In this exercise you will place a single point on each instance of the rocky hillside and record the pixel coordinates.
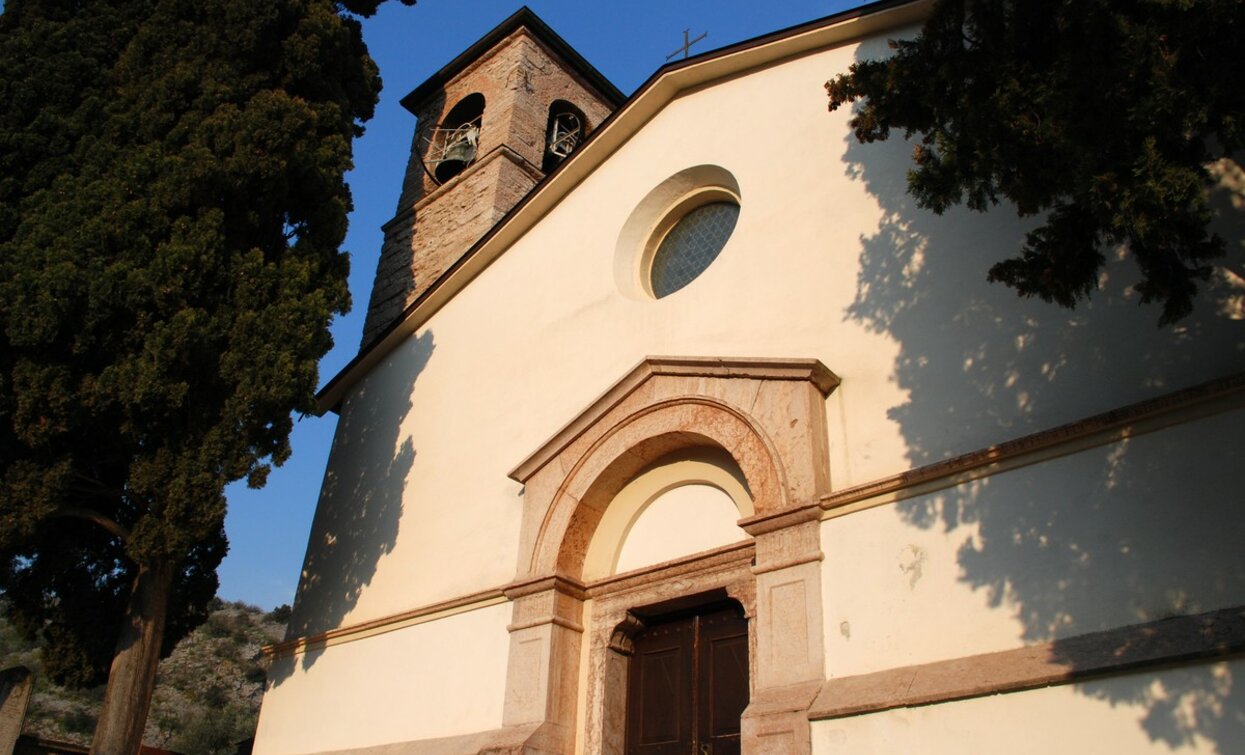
(207, 693)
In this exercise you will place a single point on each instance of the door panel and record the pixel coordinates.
(723, 666)
(659, 700)
(688, 684)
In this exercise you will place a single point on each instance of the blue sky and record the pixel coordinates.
(626, 41)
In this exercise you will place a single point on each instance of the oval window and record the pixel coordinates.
(691, 246)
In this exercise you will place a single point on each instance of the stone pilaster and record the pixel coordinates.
(543, 671)
(791, 656)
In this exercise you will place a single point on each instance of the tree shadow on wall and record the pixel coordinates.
(1107, 539)
(360, 506)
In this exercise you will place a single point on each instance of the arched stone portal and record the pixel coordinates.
(769, 417)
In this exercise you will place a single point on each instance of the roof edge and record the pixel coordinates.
(664, 85)
(523, 17)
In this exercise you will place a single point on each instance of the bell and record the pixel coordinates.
(564, 134)
(458, 154)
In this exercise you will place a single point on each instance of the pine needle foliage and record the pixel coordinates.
(1099, 116)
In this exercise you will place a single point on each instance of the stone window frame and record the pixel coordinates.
(657, 213)
(769, 416)
(669, 244)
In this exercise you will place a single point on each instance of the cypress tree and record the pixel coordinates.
(172, 208)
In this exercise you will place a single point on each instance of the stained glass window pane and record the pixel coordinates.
(691, 246)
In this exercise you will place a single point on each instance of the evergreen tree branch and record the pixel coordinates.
(113, 527)
(1099, 117)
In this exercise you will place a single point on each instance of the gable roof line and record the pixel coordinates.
(523, 17)
(663, 86)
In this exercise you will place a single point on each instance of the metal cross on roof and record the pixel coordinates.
(687, 44)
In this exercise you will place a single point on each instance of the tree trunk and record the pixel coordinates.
(132, 677)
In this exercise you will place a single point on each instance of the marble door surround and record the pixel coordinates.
(769, 416)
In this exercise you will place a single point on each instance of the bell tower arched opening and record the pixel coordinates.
(455, 142)
(468, 168)
(566, 129)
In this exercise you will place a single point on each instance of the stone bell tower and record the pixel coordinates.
(491, 124)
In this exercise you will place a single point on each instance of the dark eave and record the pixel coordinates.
(524, 17)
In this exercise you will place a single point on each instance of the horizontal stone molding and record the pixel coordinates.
(1186, 405)
(726, 555)
(506, 740)
(808, 558)
(442, 745)
(557, 621)
(781, 520)
(407, 214)
(1183, 638)
(559, 582)
(718, 559)
(1181, 406)
(430, 612)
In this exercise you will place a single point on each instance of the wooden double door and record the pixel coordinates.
(688, 684)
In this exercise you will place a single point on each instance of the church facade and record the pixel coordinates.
(678, 427)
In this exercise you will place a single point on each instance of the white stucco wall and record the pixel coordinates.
(1135, 531)
(1175, 710)
(435, 679)
(934, 360)
(829, 260)
(681, 504)
(686, 520)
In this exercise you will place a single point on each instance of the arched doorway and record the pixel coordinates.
(577, 617)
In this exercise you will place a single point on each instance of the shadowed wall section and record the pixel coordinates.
(1119, 533)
